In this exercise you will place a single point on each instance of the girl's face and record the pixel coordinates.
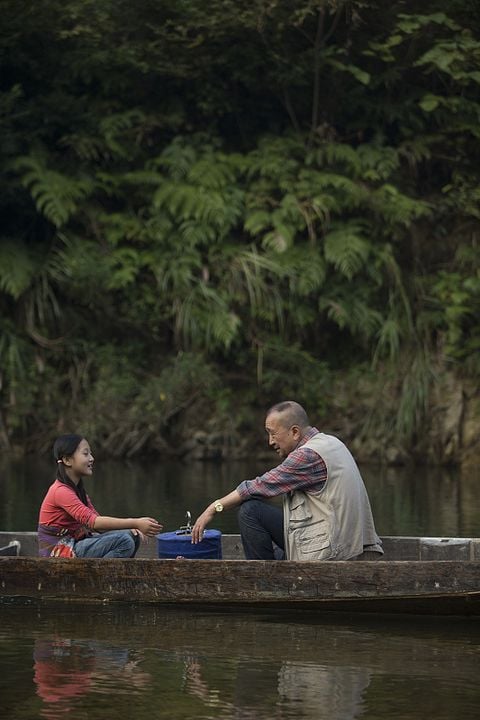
(81, 462)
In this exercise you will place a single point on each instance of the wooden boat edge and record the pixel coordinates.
(433, 587)
(234, 584)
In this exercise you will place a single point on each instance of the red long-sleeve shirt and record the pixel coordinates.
(62, 508)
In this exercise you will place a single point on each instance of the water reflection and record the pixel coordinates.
(69, 673)
(66, 669)
(98, 663)
(62, 672)
(283, 690)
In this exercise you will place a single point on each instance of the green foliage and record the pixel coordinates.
(263, 194)
(16, 267)
(346, 249)
(459, 294)
(56, 195)
(128, 411)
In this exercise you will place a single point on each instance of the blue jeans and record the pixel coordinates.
(261, 528)
(111, 544)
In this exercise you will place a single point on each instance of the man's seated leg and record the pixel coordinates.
(261, 525)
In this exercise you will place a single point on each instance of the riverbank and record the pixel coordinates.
(363, 416)
(363, 408)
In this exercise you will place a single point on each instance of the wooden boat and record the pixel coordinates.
(437, 576)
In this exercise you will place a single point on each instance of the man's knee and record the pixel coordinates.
(249, 510)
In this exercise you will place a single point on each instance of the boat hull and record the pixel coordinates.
(436, 587)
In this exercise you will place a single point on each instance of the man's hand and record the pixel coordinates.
(201, 523)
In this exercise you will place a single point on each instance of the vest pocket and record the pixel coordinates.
(314, 539)
(298, 511)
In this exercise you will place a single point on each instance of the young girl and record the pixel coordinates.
(67, 516)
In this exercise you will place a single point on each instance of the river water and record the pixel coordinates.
(99, 663)
(405, 501)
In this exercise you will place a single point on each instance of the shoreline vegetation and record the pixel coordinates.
(210, 208)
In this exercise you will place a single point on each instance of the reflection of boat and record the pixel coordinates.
(244, 665)
(418, 575)
(377, 644)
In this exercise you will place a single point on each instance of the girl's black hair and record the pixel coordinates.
(65, 446)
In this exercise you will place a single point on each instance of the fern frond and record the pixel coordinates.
(397, 208)
(346, 249)
(194, 233)
(177, 272)
(114, 126)
(338, 155)
(85, 147)
(212, 172)
(257, 221)
(13, 354)
(187, 202)
(118, 227)
(144, 177)
(251, 280)
(418, 149)
(377, 162)
(56, 195)
(176, 159)
(17, 268)
(275, 158)
(308, 270)
(203, 319)
(351, 313)
(345, 192)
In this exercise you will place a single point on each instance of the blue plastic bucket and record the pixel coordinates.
(171, 545)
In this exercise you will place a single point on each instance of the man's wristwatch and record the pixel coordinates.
(218, 506)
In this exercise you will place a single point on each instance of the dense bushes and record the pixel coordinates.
(212, 207)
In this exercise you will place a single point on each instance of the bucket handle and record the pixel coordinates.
(186, 529)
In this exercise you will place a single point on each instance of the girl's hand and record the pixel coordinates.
(149, 526)
(142, 537)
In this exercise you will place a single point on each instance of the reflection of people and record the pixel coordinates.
(286, 689)
(117, 662)
(62, 672)
(67, 516)
(323, 692)
(326, 511)
(66, 670)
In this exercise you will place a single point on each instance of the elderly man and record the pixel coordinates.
(326, 512)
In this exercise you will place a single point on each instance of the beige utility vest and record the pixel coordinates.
(335, 523)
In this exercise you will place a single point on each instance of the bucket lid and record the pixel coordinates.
(209, 534)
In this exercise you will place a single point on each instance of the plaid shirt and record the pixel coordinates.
(302, 469)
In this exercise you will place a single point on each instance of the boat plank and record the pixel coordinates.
(337, 585)
(420, 575)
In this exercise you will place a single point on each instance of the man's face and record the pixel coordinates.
(282, 437)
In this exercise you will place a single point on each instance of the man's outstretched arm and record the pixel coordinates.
(228, 501)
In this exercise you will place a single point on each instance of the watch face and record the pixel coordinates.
(218, 507)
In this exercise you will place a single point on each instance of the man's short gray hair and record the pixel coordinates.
(292, 413)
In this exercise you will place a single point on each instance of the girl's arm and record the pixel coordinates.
(146, 525)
